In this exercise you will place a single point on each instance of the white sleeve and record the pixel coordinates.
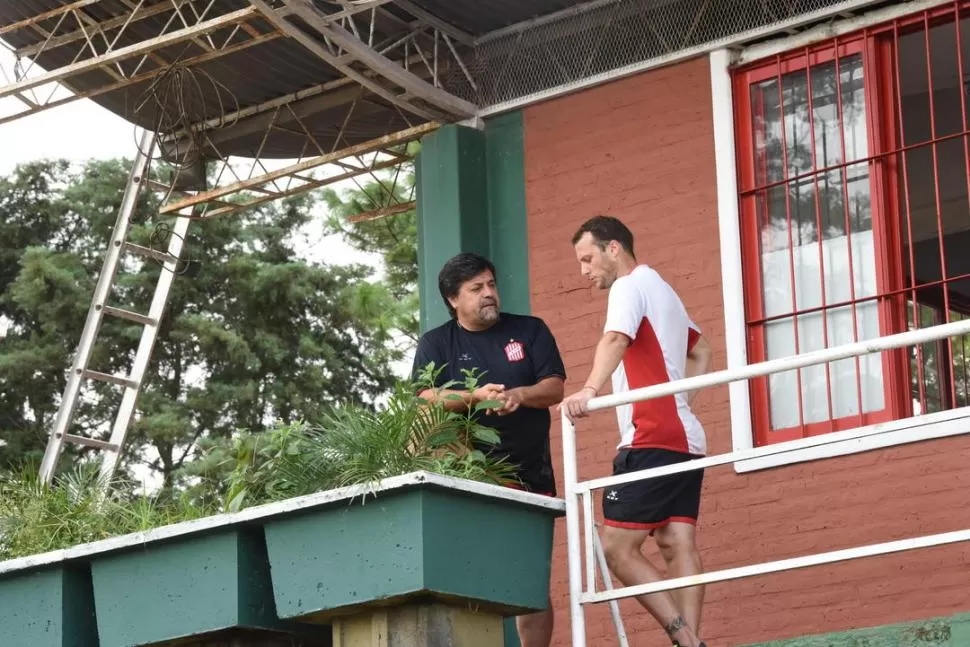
(625, 309)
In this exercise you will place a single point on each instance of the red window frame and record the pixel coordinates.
(877, 47)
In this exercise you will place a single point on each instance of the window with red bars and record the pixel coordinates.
(854, 172)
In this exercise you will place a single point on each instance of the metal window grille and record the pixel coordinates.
(855, 202)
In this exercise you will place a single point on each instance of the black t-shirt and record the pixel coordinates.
(517, 351)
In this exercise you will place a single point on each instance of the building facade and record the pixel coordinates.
(803, 192)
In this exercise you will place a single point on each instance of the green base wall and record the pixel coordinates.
(953, 631)
(420, 542)
(182, 589)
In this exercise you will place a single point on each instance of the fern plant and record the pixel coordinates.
(357, 445)
(352, 445)
(77, 508)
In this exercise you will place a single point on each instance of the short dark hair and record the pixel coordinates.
(458, 269)
(604, 229)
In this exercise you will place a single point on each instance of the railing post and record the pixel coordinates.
(573, 535)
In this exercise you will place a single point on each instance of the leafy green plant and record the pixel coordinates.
(252, 468)
(354, 445)
(76, 509)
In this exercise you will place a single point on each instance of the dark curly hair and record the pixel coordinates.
(457, 270)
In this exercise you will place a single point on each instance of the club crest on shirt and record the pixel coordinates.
(515, 351)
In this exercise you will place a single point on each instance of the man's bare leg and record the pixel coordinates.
(679, 549)
(535, 629)
(622, 548)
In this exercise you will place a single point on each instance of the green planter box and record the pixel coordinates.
(423, 537)
(197, 585)
(48, 608)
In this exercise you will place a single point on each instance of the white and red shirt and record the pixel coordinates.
(646, 309)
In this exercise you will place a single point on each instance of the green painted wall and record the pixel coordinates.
(953, 631)
(471, 198)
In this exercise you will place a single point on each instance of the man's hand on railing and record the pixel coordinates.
(575, 405)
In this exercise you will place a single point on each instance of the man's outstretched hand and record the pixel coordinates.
(511, 401)
(488, 392)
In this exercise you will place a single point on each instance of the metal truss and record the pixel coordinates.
(114, 53)
(136, 47)
(243, 184)
(376, 48)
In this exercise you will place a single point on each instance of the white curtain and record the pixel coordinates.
(844, 381)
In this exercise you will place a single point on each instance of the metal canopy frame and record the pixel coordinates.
(378, 73)
(93, 45)
(376, 60)
(351, 48)
(343, 86)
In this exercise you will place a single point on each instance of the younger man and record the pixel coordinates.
(648, 339)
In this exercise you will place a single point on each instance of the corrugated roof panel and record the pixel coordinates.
(241, 79)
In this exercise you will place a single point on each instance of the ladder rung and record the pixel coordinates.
(90, 442)
(129, 315)
(148, 252)
(114, 379)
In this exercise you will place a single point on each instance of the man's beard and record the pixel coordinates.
(488, 312)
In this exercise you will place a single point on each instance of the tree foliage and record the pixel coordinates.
(392, 304)
(252, 334)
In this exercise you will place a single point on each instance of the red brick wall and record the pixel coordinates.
(642, 149)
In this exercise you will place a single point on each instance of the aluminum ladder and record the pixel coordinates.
(80, 372)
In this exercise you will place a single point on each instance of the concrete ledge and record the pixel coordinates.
(257, 514)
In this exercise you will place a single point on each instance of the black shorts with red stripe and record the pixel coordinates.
(655, 502)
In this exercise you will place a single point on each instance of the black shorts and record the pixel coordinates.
(533, 469)
(537, 478)
(646, 505)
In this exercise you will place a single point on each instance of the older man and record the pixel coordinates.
(523, 370)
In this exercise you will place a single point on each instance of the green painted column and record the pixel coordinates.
(508, 231)
(471, 198)
(452, 208)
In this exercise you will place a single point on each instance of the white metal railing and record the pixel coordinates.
(579, 494)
